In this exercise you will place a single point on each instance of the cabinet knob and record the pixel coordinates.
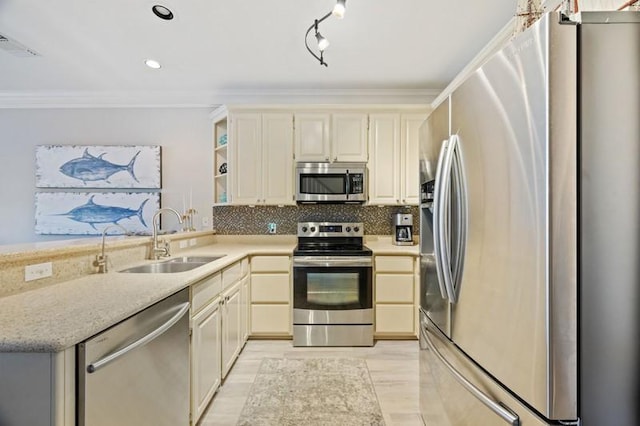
(326, 158)
(335, 159)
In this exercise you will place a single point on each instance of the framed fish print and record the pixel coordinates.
(98, 166)
(72, 213)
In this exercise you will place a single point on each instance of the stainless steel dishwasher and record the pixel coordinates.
(137, 372)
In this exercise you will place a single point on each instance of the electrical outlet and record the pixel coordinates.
(206, 221)
(192, 242)
(183, 243)
(271, 228)
(36, 272)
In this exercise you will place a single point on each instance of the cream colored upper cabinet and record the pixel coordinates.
(263, 158)
(410, 153)
(312, 137)
(384, 159)
(277, 158)
(349, 136)
(331, 137)
(246, 173)
(393, 159)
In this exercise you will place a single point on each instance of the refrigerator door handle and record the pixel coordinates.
(437, 213)
(443, 220)
(461, 216)
(498, 408)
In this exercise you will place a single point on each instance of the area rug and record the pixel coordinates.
(312, 391)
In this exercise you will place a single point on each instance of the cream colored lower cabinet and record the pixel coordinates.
(244, 307)
(231, 327)
(205, 357)
(396, 297)
(271, 296)
(206, 342)
(219, 311)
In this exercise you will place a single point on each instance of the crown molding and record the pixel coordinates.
(209, 99)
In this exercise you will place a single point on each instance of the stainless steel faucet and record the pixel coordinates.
(101, 259)
(161, 248)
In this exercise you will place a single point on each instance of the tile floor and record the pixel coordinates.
(393, 366)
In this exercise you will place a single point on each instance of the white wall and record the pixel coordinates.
(183, 133)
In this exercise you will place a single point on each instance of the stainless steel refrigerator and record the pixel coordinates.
(530, 235)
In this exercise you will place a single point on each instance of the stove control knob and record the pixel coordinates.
(348, 229)
(356, 228)
(304, 229)
(313, 229)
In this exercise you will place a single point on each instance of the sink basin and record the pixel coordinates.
(162, 268)
(178, 264)
(194, 259)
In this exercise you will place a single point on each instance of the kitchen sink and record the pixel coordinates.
(178, 264)
(194, 259)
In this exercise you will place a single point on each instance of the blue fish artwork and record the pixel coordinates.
(91, 168)
(93, 213)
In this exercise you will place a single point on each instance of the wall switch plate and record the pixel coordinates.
(206, 221)
(38, 271)
(183, 243)
(271, 228)
(192, 242)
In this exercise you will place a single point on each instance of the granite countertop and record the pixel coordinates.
(56, 317)
(382, 245)
(59, 316)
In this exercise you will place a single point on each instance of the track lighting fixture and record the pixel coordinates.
(323, 43)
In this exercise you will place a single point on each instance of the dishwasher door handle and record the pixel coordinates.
(95, 366)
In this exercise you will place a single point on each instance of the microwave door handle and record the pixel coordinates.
(348, 188)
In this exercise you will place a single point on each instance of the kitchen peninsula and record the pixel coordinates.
(41, 325)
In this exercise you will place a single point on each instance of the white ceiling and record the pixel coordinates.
(216, 51)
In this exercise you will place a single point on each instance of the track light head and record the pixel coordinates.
(339, 8)
(323, 43)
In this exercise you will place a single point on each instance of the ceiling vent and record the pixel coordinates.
(15, 48)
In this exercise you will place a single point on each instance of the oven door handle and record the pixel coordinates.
(332, 261)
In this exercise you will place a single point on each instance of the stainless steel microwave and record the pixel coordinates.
(331, 182)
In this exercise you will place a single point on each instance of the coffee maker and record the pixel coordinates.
(403, 229)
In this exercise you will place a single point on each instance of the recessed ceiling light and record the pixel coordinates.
(152, 63)
(162, 12)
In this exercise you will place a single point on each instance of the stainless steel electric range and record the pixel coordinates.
(332, 286)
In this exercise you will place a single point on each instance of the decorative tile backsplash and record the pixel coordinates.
(245, 220)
